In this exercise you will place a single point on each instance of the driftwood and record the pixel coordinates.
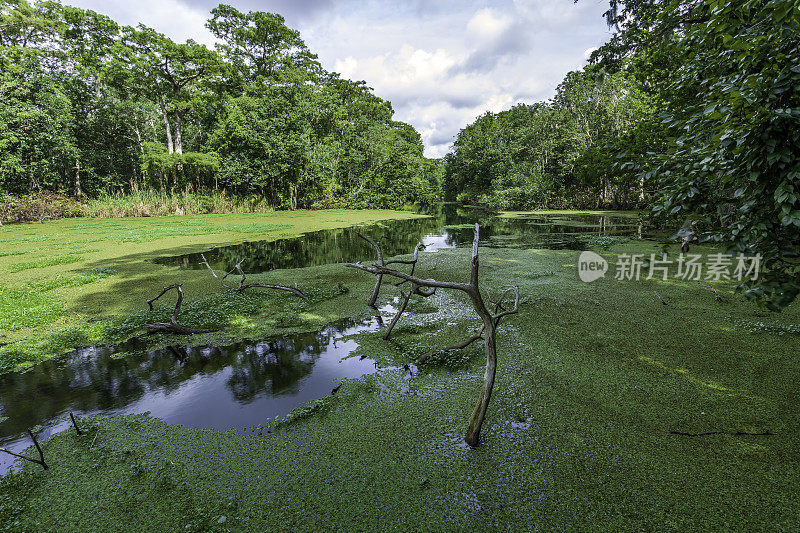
(39, 461)
(490, 324)
(172, 326)
(244, 286)
(406, 296)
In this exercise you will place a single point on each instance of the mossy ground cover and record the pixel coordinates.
(74, 282)
(592, 379)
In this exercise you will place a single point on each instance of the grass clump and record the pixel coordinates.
(25, 309)
(149, 203)
(46, 262)
(305, 411)
(452, 359)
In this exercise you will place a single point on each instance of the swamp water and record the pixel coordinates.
(244, 384)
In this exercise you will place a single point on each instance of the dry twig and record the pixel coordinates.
(39, 461)
(172, 326)
(244, 286)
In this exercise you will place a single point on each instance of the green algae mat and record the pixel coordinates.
(619, 405)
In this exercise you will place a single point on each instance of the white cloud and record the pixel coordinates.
(487, 24)
(441, 64)
(346, 67)
(170, 17)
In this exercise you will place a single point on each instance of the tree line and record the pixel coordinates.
(89, 107)
(557, 153)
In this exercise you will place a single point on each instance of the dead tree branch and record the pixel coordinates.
(39, 461)
(415, 289)
(490, 324)
(412, 262)
(379, 278)
(244, 286)
(460, 346)
(405, 297)
(172, 326)
(75, 424)
(712, 289)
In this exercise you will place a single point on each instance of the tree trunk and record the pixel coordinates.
(78, 191)
(165, 115)
(479, 413)
(179, 130)
(489, 324)
(641, 189)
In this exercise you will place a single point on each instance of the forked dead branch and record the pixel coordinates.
(39, 461)
(172, 326)
(405, 296)
(244, 286)
(491, 321)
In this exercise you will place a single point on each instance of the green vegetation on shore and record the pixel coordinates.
(688, 109)
(92, 108)
(74, 282)
(592, 379)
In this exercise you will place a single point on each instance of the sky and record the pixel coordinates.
(442, 63)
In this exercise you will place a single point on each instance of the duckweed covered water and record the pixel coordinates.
(245, 384)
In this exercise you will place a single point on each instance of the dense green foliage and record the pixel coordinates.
(89, 107)
(558, 153)
(692, 107)
(728, 74)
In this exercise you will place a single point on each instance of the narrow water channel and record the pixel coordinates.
(447, 229)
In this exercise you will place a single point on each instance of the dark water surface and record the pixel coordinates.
(230, 387)
(244, 384)
(447, 229)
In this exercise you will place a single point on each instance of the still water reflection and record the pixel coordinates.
(448, 228)
(227, 387)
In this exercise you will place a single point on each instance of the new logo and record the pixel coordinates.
(591, 266)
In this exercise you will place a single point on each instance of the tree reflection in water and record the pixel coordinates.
(219, 387)
(246, 383)
(445, 228)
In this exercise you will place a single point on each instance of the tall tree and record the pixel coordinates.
(173, 74)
